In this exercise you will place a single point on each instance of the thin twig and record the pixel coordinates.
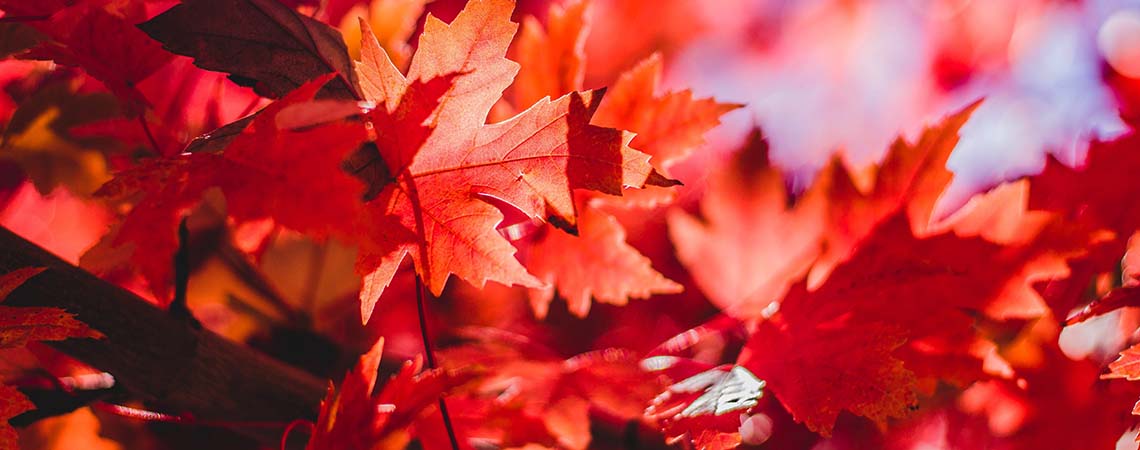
(430, 356)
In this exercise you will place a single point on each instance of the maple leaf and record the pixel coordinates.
(1127, 366)
(528, 384)
(665, 27)
(750, 246)
(533, 161)
(912, 175)
(668, 126)
(551, 59)
(1053, 395)
(202, 104)
(898, 311)
(274, 49)
(20, 325)
(37, 9)
(100, 37)
(1002, 216)
(357, 416)
(597, 264)
(269, 170)
(1091, 199)
(1091, 193)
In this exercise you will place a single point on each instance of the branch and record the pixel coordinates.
(163, 361)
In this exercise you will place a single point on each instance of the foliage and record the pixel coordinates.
(520, 190)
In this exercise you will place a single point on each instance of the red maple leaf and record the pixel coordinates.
(12, 404)
(1095, 199)
(100, 37)
(359, 416)
(530, 394)
(911, 175)
(1091, 193)
(750, 246)
(898, 311)
(533, 161)
(1052, 396)
(597, 263)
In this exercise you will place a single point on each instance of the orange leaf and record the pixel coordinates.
(530, 395)
(1127, 366)
(393, 22)
(597, 261)
(551, 59)
(532, 161)
(597, 264)
(668, 126)
(750, 246)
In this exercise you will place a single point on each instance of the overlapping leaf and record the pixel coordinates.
(270, 170)
(358, 415)
(596, 264)
(668, 126)
(533, 161)
(531, 395)
(911, 175)
(551, 58)
(750, 246)
(898, 311)
(261, 43)
(101, 38)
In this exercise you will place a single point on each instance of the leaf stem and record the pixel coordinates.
(430, 356)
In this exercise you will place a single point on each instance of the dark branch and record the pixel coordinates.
(159, 359)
